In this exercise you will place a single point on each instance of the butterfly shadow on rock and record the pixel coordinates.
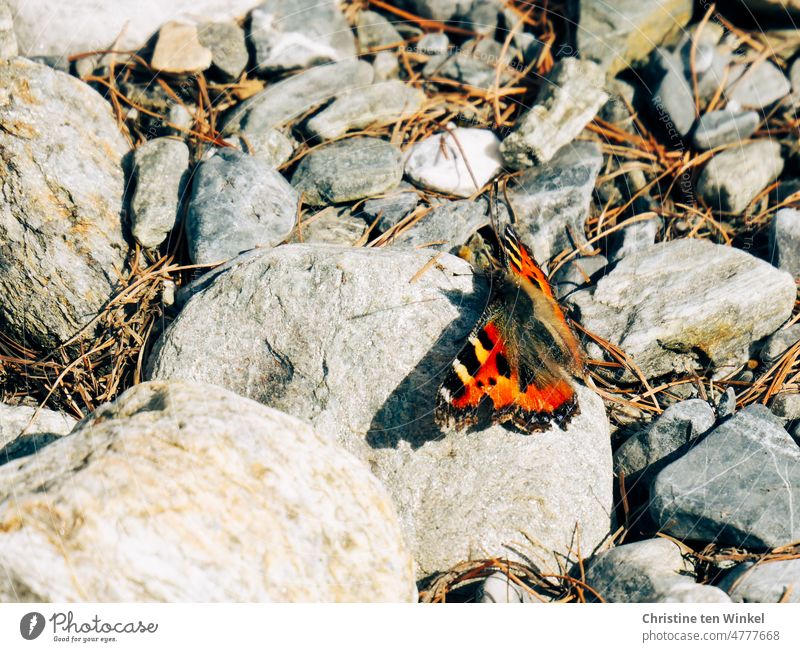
(408, 412)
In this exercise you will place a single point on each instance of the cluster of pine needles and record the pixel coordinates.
(108, 356)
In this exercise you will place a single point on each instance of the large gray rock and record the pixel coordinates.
(161, 168)
(238, 202)
(648, 450)
(620, 33)
(685, 304)
(724, 127)
(51, 28)
(740, 485)
(289, 34)
(347, 170)
(761, 85)
(551, 201)
(569, 100)
(186, 492)
(768, 581)
(24, 430)
(733, 178)
(653, 570)
(62, 249)
(357, 341)
(372, 106)
(280, 103)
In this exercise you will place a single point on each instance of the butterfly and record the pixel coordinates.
(517, 363)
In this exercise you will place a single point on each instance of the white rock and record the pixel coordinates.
(186, 492)
(437, 162)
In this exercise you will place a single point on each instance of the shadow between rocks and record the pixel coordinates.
(407, 414)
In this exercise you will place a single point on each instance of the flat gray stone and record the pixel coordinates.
(673, 100)
(764, 582)
(392, 207)
(652, 570)
(289, 326)
(682, 304)
(569, 100)
(622, 33)
(740, 485)
(646, 451)
(290, 34)
(385, 66)
(447, 226)
(380, 104)
(474, 63)
(637, 237)
(785, 240)
(786, 406)
(62, 250)
(734, 177)
(280, 103)
(270, 145)
(723, 128)
(374, 31)
(761, 85)
(347, 170)
(332, 225)
(184, 492)
(238, 202)
(551, 201)
(8, 39)
(226, 41)
(25, 430)
(578, 273)
(433, 43)
(161, 168)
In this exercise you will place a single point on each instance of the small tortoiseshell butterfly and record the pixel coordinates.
(517, 362)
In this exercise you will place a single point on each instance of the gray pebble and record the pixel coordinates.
(724, 127)
(228, 48)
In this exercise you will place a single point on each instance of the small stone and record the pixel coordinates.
(228, 48)
(392, 207)
(290, 34)
(347, 170)
(786, 406)
(178, 50)
(713, 303)
(733, 178)
(474, 64)
(723, 128)
(270, 145)
(374, 31)
(616, 110)
(180, 116)
(785, 240)
(779, 342)
(551, 201)
(437, 163)
(442, 10)
(794, 76)
(482, 17)
(761, 85)
(768, 581)
(648, 451)
(279, 103)
(176, 492)
(570, 99)
(673, 100)
(238, 202)
(726, 403)
(385, 66)
(652, 570)
(433, 43)
(26, 430)
(8, 39)
(739, 485)
(622, 33)
(637, 237)
(447, 226)
(332, 225)
(578, 273)
(723, 72)
(498, 588)
(380, 104)
(161, 168)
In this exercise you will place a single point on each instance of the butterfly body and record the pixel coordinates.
(517, 363)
